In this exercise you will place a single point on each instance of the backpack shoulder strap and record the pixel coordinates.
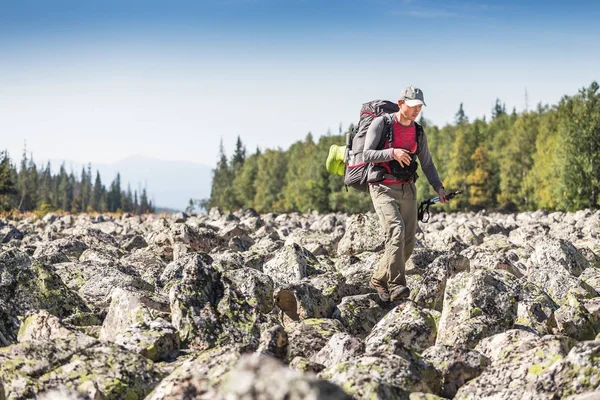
(419, 133)
(388, 131)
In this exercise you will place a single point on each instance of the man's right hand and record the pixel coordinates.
(402, 156)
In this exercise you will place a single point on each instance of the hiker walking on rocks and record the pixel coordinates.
(395, 197)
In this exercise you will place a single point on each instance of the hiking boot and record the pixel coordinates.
(399, 293)
(382, 291)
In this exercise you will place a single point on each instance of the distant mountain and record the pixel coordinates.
(169, 184)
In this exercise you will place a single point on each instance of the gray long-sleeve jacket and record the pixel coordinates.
(372, 154)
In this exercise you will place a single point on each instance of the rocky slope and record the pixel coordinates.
(241, 305)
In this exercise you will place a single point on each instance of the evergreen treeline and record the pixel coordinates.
(28, 188)
(547, 158)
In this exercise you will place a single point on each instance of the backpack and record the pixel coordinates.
(356, 174)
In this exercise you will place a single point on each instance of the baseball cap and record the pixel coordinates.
(412, 96)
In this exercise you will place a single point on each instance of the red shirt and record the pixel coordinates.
(404, 137)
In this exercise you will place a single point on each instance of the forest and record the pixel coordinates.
(543, 158)
(29, 188)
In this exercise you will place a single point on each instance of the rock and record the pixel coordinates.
(493, 347)
(274, 342)
(145, 264)
(430, 291)
(208, 311)
(28, 285)
(197, 378)
(32, 367)
(359, 314)
(389, 377)
(406, 327)
(456, 366)
(307, 337)
(477, 305)
(95, 283)
(363, 233)
(577, 373)
(129, 307)
(174, 270)
(133, 243)
(252, 377)
(255, 287)
(341, 347)
(311, 298)
(575, 321)
(555, 265)
(156, 340)
(60, 250)
(42, 325)
(517, 369)
(290, 265)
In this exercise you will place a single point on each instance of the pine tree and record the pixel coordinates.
(7, 184)
(96, 199)
(580, 127)
(460, 115)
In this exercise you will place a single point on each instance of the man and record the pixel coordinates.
(393, 191)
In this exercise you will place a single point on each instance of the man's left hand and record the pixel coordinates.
(442, 194)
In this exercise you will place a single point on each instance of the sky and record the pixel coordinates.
(99, 81)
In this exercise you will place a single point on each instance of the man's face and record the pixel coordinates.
(410, 113)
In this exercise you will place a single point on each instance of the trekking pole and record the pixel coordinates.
(424, 206)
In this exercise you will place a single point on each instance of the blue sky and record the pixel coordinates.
(98, 81)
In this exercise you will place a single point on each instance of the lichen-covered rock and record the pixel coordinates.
(197, 378)
(95, 282)
(518, 367)
(290, 265)
(134, 242)
(42, 325)
(430, 291)
(129, 307)
(341, 347)
(555, 266)
(255, 286)
(493, 347)
(174, 270)
(28, 285)
(358, 270)
(359, 314)
(309, 336)
(535, 310)
(591, 276)
(208, 311)
(252, 377)
(455, 365)
(60, 250)
(146, 264)
(574, 320)
(389, 377)
(274, 342)
(477, 305)
(577, 373)
(314, 297)
(156, 340)
(406, 327)
(31, 367)
(363, 233)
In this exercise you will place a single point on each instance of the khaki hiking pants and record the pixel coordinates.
(396, 207)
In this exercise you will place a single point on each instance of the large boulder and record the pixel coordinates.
(477, 305)
(28, 285)
(363, 233)
(359, 314)
(406, 327)
(517, 370)
(389, 377)
(29, 368)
